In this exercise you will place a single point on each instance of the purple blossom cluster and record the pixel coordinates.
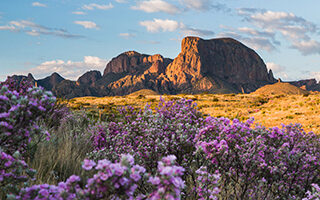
(18, 116)
(21, 86)
(13, 172)
(114, 180)
(314, 194)
(68, 190)
(207, 186)
(168, 182)
(117, 180)
(260, 163)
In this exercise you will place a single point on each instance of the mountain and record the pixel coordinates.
(307, 84)
(132, 71)
(51, 81)
(217, 65)
(87, 85)
(221, 65)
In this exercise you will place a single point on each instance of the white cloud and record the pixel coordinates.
(256, 43)
(296, 30)
(38, 4)
(315, 75)
(68, 69)
(78, 13)
(127, 35)
(167, 25)
(307, 47)
(198, 4)
(25, 23)
(152, 6)
(93, 6)
(187, 31)
(87, 24)
(33, 33)
(204, 5)
(254, 32)
(275, 67)
(8, 27)
(279, 71)
(121, 1)
(34, 29)
(158, 25)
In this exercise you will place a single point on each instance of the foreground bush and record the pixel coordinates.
(148, 136)
(260, 163)
(14, 173)
(19, 112)
(18, 116)
(118, 180)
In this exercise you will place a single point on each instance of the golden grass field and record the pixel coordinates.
(272, 110)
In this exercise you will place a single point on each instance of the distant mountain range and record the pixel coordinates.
(214, 66)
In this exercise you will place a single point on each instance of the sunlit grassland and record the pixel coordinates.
(268, 111)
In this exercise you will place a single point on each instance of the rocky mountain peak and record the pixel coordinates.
(222, 59)
(127, 62)
(51, 81)
(89, 78)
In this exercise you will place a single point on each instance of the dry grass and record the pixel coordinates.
(272, 110)
(61, 157)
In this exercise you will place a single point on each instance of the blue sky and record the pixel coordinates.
(74, 36)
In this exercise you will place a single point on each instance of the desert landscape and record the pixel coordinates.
(231, 114)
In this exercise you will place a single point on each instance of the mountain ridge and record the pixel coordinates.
(220, 65)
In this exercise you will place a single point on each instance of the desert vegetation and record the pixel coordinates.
(147, 147)
(267, 110)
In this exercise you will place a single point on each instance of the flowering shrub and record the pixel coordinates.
(257, 163)
(114, 181)
(18, 116)
(65, 190)
(148, 136)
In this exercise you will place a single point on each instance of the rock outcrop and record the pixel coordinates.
(133, 71)
(217, 62)
(128, 62)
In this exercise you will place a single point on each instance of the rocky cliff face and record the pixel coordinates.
(217, 60)
(135, 71)
(128, 62)
(215, 66)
